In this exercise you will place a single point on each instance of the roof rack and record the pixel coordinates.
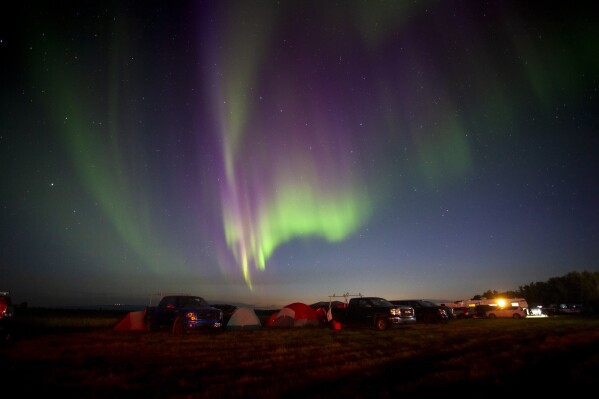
(345, 296)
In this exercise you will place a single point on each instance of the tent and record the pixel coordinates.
(296, 314)
(133, 321)
(271, 320)
(244, 319)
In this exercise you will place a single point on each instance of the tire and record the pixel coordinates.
(381, 324)
(149, 323)
(178, 326)
(491, 315)
(516, 316)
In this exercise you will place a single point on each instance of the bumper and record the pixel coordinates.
(402, 321)
(204, 324)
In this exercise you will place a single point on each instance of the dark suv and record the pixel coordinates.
(183, 313)
(426, 311)
(7, 314)
(463, 312)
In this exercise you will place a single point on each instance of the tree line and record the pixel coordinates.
(572, 288)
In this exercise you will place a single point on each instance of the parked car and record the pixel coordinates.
(7, 314)
(513, 312)
(426, 311)
(536, 311)
(183, 313)
(493, 312)
(564, 309)
(463, 312)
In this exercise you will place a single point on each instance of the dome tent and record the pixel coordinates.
(296, 314)
(133, 321)
(243, 319)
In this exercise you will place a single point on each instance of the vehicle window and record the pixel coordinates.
(381, 302)
(363, 303)
(168, 302)
(194, 302)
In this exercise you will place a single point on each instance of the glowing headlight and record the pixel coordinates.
(395, 312)
(191, 316)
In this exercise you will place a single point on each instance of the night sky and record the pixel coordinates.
(268, 152)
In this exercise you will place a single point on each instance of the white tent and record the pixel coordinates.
(244, 318)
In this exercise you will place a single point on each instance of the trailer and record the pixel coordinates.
(499, 302)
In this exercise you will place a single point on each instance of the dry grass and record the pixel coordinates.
(480, 358)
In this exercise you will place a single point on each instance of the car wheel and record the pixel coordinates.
(178, 326)
(491, 315)
(381, 324)
(516, 316)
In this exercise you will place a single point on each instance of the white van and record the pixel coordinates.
(513, 312)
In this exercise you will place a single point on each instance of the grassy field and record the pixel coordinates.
(81, 356)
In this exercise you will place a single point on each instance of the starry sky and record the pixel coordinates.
(269, 152)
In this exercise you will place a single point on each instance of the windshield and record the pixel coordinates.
(381, 302)
(193, 302)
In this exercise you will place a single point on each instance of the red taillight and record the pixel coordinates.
(2, 308)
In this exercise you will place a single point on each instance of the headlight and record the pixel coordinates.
(395, 312)
(191, 316)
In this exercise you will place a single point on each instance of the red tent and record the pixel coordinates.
(295, 314)
(271, 320)
(133, 321)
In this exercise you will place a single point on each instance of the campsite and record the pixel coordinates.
(81, 354)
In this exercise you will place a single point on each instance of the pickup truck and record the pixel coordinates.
(183, 313)
(374, 312)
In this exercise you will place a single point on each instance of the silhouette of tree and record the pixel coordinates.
(572, 288)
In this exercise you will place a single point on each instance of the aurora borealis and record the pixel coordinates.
(271, 152)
